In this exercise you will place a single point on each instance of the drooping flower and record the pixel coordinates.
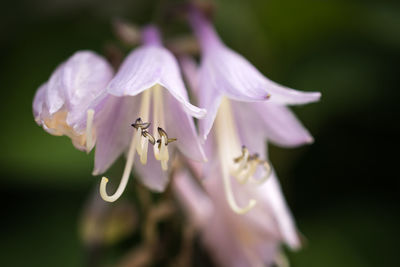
(152, 97)
(224, 72)
(238, 240)
(67, 104)
(247, 108)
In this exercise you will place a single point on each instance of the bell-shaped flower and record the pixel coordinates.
(247, 108)
(68, 102)
(224, 72)
(153, 117)
(251, 239)
(237, 143)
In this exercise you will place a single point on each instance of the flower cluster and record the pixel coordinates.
(225, 180)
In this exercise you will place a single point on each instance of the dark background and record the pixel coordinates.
(343, 189)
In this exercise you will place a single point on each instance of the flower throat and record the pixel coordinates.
(142, 137)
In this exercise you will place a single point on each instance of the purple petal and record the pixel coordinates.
(55, 93)
(38, 102)
(190, 72)
(181, 126)
(272, 196)
(151, 174)
(86, 76)
(114, 131)
(195, 201)
(273, 121)
(148, 66)
(76, 83)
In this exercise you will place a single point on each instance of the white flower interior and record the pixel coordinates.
(141, 138)
(242, 168)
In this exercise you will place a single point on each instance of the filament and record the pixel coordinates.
(89, 134)
(229, 195)
(134, 145)
(227, 141)
(160, 152)
(125, 176)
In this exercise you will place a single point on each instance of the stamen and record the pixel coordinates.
(89, 134)
(268, 170)
(135, 143)
(152, 140)
(144, 144)
(125, 176)
(242, 160)
(139, 123)
(229, 195)
(226, 140)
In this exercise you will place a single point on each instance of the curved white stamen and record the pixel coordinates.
(229, 195)
(135, 143)
(227, 141)
(89, 134)
(125, 176)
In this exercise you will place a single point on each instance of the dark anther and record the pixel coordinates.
(152, 140)
(162, 133)
(254, 157)
(140, 124)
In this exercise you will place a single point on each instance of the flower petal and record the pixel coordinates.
(38, 102)
(86, 76)
(272, 196)
(55, 96)
(275, 122)
(190, 71)
(193, 198)
(181, 126)
(148, 66)
(114, 131)
(151, 174)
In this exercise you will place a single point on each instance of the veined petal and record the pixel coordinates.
(273, 121)
(85, 77)
(181, 126)
(115, 132)
(148, 66)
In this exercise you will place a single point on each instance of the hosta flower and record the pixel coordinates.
(252, 239)
(247, 109)
(224, 72)
(68, 102)
(153, 117)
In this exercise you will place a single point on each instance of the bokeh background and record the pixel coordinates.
(343, 189)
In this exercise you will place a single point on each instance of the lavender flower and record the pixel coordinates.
(235, 95)
(160, 116)
(223, 72)
(252, 239)
(66, 104)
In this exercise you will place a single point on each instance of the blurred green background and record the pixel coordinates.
(343, 189)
